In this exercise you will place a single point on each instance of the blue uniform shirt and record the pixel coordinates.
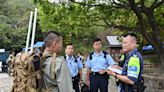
(73, 65)
(99, 62)
(134, 70)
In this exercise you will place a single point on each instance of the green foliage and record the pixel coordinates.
(159, 15)
(14, 16)
(72, 20)
(82, 20)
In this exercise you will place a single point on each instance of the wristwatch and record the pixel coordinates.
(115, 75)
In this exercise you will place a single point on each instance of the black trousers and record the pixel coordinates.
(75, 81)
(99, 82)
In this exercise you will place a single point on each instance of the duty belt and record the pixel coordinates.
(76, 78)
(97, 74)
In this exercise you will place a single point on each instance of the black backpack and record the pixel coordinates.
(139, 86)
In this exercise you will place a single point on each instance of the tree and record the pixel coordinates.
(149, 21)
(140, 16)
(148, 26)
(69, 19)
(14, 17)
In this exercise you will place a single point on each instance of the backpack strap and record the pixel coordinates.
(105, 53)
(42, 66)
(52, 67)
(42, 61)
(73, 56)
(65, 57)
(75, 59)
(90, 55)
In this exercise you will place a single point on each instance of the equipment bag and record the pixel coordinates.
(139, 86)
(26, 75)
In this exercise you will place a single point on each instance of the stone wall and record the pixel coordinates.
(154, 83)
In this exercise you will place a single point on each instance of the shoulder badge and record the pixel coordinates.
(135, 55)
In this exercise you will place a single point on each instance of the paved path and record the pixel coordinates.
(6, 82)
(111, 87)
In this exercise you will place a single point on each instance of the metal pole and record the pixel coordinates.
(33, 32)
(29, 31)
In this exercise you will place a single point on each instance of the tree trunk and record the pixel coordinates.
(155, 35)
(160, 56)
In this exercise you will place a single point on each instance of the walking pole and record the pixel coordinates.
(29, 31)
(33, 31)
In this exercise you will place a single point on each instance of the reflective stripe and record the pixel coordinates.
(133, 67)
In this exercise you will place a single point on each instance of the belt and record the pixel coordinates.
(76, 78)
(98, 74)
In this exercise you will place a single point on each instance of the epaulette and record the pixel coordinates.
(74, 57)
(135, 55)
(90, 55)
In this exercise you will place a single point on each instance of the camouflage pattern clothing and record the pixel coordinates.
(24, 73)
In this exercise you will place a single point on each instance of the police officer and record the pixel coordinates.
(97, 63)
(133, 67)
(122, 58)
(10, 62)
(75, 66)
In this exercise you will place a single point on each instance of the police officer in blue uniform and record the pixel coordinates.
(97, 63)
(75, 66)
(133, 67)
